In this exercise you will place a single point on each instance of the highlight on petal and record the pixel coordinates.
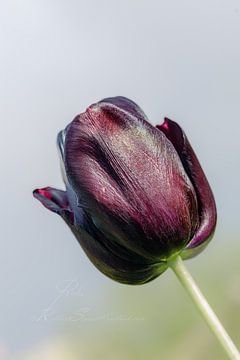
(60, 146)
(61, 142)
(125, 104)
(206, 203)
(54, 200)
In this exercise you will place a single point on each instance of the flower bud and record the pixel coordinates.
(135, 195)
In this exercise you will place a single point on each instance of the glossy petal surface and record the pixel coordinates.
(128, 177)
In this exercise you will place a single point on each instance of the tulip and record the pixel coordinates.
(136, 198)
(136, 195)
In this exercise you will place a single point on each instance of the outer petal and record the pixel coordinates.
(206, 203)
(130, 180)
(114, 261)
(110, 259)
(55, 200)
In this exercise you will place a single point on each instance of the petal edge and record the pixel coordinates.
(206, 203)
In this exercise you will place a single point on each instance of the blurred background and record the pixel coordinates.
(178, 59)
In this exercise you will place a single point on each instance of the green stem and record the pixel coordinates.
(201, 303)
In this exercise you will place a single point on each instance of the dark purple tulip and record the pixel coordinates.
(135, 195)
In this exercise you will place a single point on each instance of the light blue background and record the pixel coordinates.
(178, 59)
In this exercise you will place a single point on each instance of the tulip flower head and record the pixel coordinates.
(135, 195)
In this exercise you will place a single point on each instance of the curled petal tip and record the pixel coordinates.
(165, 124)
(42, 192)
(54, 200)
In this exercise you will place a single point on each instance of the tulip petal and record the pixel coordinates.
(114, 261)
(129, 178)
(206, 203)
(54, 200)
(127, 105)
